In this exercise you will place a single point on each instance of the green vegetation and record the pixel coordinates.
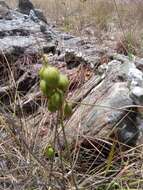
(54, 85)
(49, 152)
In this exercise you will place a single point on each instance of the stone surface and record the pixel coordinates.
(4, 11)
(26, 34)
(23, 35)
(24, 6)
(137, 95)
(106, 109)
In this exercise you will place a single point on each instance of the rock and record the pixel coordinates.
(40, 15)
(73, 59)
(137, 95)
(4, 11)
(128, 133)
(22, 35)
(135, 77)
(33, 16)
(25, 6)
(3, 4)
(101, 111)
(139, 63)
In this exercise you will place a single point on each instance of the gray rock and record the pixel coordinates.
(139, 63)
(103, 109)
(3, 4)
(22, 33)
(128, 133)
(137, 95)
(25, 6)
(4, 11)
(73, 59)
(33, 16)
(40, 15)
(135, 77)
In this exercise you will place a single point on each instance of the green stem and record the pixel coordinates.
(55, 136)
(67, 147)
(61, 159)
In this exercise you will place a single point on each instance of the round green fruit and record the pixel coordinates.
(45, 89)
(51, 108)
(67, 110)
(51, 76)
(63, 82)
(55, 101)
(49, 152)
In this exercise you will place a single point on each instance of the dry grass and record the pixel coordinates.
(95, 164)
(24, 166)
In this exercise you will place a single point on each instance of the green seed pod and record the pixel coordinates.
(51, 76)
(55, 101)
(63, 82)
(49, 152)
(45, 89)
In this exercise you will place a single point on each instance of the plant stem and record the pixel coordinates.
(61, 159)
(67, 148)
(55, 136)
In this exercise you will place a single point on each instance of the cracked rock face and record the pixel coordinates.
(22, 35)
